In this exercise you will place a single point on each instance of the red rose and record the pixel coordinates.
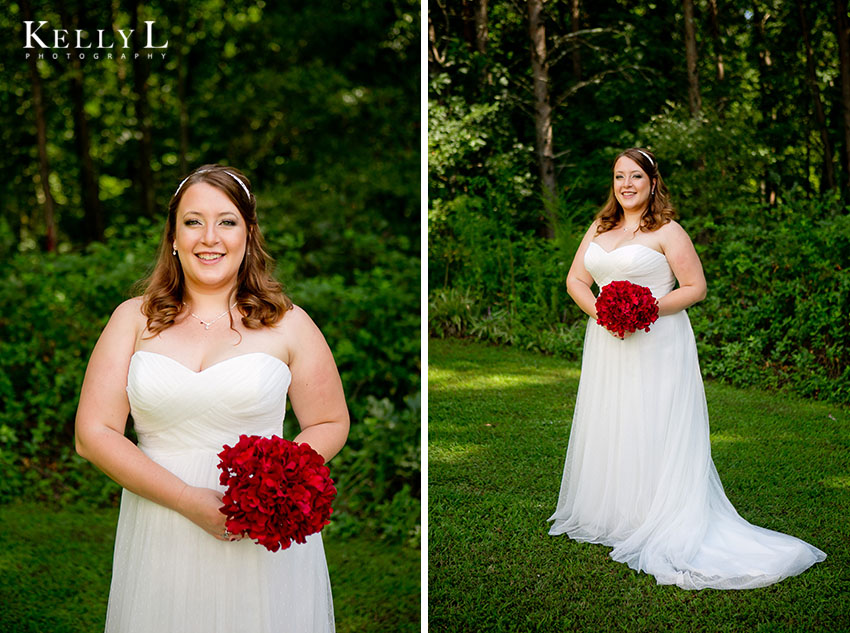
(626, 307)
(277, 491)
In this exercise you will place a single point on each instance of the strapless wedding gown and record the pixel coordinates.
(169, 575)
(639, 475)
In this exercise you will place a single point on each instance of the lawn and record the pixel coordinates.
(498, 425)
(55, 570)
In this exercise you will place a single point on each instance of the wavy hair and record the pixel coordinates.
(659, 210)
(258, 296)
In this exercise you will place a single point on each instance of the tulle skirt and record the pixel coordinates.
(170, 576)
(639, 475)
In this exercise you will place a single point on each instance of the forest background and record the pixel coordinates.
(746, 105)
(318, 105)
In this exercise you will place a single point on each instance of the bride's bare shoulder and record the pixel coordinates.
(673, 231)
(129, 316)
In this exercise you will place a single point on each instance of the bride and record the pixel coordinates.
(638, 475)
(209, 352)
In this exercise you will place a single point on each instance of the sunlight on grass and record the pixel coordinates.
(448, 379)
(455, 454)
(837, 481)
(728, 438)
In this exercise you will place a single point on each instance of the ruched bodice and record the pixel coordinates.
(176, 409)
(636, 263)
(168, 573)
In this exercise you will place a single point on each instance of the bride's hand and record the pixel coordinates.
(201, 506)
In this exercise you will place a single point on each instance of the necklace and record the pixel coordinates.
(625, 228)
(207, 324)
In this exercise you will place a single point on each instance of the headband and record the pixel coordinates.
(648, 157)
(241, 184)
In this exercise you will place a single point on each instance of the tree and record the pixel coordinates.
(694, 100)
(41, 142)
(95, 222)
(828, 181)
(543, 114)
(143, 114)
(842, 30)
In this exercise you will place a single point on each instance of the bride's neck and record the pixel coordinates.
(208, 302)
(632, 218)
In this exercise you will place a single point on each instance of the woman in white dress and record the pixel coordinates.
(209, 352)
(639, 475)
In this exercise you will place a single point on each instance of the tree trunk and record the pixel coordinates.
(543, 114)
(694, 100)
(181, 91)
(767, 100)
(468, 15)
(575, 27)
(89, 187)
(143, 115)
(843, 31)
(715, 35)
(41, 140)
(434, 57)
(482, 34)
(828, 181)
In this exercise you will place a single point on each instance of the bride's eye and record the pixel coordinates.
(191, 222)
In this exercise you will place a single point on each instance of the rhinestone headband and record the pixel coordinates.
(648, 157)
(241, 184)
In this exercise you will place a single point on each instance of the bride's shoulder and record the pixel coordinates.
(295, 332)
(672, 231)
(294, 322)
(129, 309)
(128, 315)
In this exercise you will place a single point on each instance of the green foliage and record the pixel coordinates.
(60, 303)
(450, 312)
(779, 293)
(746, 173)
(381, 473)
(319, 106)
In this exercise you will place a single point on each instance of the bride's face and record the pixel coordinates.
(631, 185)
(210, 237)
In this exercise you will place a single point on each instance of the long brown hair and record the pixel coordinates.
(259, 297)
(659, 211)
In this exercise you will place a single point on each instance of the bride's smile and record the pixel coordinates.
(210, 237)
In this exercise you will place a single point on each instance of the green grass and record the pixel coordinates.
(55, 567)
(498, 425)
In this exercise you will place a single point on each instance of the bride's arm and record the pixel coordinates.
(102, 414)
(686, 266)
(316, 391)
(579, 281)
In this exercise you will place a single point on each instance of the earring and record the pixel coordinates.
(173, 249)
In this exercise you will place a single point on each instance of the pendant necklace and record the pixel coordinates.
(207, 324)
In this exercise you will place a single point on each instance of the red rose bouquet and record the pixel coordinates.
(625, 307)
(277, 491)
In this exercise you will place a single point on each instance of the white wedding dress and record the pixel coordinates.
(169, 575)
(639, 475)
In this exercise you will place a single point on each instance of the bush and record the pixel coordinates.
(775, 315)
(58, 304)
